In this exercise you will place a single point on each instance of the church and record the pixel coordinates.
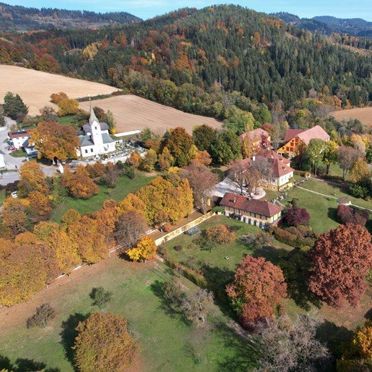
(95, 139)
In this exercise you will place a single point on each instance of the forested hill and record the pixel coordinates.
(19, 18)
(188, 58)
(328, 24)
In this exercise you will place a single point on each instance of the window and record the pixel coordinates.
(91, 150)
(86, 151)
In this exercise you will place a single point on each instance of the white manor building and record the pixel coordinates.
(95, 139)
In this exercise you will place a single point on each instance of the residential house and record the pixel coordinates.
(296, 139)
(280, 172)
(259, 213)
(95, 139)
(257, 139)
(19, 139)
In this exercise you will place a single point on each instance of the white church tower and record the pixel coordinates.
(96, 129)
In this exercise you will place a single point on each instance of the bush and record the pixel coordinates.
(177, 248)
(100, 297)
(295, 216)
(43, 314)
(358, 191)
(220, 234)
(300, 236)
(346, 214)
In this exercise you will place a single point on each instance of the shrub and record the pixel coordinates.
(177, 248)
(220, 234)
(100, 297)
(43, 314)
(295, 216)
(144, 250)
(346, 214)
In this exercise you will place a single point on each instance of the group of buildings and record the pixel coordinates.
(261, 212)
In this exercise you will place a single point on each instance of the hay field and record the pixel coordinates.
(363, 114)
(35, 87)
(132, 113)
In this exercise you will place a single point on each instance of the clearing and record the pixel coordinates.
(35, 87)
(363, 114)
(136, 113)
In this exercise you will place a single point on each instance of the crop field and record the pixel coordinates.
(133, 113)
(363, 114)
(35, 87)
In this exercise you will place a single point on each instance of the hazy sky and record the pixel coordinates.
(150, 8)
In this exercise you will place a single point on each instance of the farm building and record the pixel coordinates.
(19, 139)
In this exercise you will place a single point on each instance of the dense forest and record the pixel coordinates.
(19, 18)
(202, 60)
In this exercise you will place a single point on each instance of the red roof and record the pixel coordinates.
(261, 207)
(307, 135)
(280, 165)
(19, 134)
(292, 133)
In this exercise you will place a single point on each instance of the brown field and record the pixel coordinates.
(35, 87)
(363, 114)
(132, 113)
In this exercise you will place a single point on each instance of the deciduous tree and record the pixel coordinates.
(15, 215)
(143, 251)
(340, 261)
(347, 157)
(40, 206)
(79, 184)
(32, 179)
(359, 171)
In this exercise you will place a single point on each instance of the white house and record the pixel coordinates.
(95, 139)
(19, 139)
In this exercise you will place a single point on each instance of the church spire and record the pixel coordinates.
(93, 117)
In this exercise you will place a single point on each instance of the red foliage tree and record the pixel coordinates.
(340, 261)
(296, 216)
(257, 288)
(346, 214)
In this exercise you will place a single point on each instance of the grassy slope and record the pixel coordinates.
(165, 339)
(123, 187)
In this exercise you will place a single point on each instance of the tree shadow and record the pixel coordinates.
(332, 214)
(69, 333)
(334, 337)
(295, 266)
(217, 280)
(24, 365)
(368, 314)
(243, 356)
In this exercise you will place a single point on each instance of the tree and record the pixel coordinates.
(110, 119)
(201, 179)
(32, 179)
(238, 173)
(149, 161)
(14, 107)
(103, 343)
(143, 251)
(340, 261)
(363, 340)
(315, 152)
(135, 159)
(203, 136)
(68, 106)
(58, 97)
(42, 316)
(238, 121)
(202, 158)
(289, 346)
(225, 148)
(15, 215)
(130, 227)
(359, 171)
(179, 143)
(257, 288)
(220, 234)
(100, 297)
(295, 216)
(54, 140)
(347, 157)
(346, 214)
(79, 184)
(40, 206)
(166, 160)
(330, 154)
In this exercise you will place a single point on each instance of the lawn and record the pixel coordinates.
(123, 187)
(166, 342)
(18, 153)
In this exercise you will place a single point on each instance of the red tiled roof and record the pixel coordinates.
(292, 133)
(280, 165)
(18, 134)
(316, 132)
(261, 207)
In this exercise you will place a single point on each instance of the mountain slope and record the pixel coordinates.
(19, 18)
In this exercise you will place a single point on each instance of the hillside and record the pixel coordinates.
(19, 18)
(363, 114)
(202, 61)
(35, 87)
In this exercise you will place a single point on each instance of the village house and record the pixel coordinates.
(19, 139)
(95, 139)
(259, 213)
(281, 173)
(257, 139)
(297, 139)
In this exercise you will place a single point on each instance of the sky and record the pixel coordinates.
(150, 8)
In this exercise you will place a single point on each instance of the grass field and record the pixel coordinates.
(363, 114)
(167, 343)
(123, 187)
(35, 87)
(136, 113)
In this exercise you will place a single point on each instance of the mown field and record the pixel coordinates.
(363, 114)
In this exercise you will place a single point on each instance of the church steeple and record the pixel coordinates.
(93, 117)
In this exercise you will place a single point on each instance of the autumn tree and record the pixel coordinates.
(202, 158)
(287, 345)
(238, 173)
(15, 215)
(144, 250)
(166, 159)
(58, 97)
(130, 227)
(54, 140)
(40, 206)
(359, 171)
(32, 179)
(134, 159)
(220, 234)
(106, 218)
(179, 143)
(340, 261)
(347, 157)
(105, 337)
(131, 202)
(201, 179)
(238, 121)
(347, 214)
(148, 162)
(315, 152)
(67, 106)
(258, 286)
(330, 154)
(79, 184)
(295, 216)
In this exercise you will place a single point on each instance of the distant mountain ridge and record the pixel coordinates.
(19, 18)
(329, 24)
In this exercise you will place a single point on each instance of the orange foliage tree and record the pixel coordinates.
(40, 206)
(54, 140)
(79, 184)
(32, 179)
(144, 250)
(257, 288)
(15, 215)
